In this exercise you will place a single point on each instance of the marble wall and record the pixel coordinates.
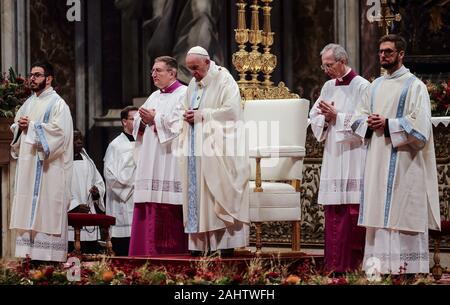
(370, 67)
(312, 28)
(425, 26)
(52, 39)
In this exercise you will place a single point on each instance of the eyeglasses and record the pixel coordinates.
(387, 52)
(36, 75)
(328, 66)
(159, 71)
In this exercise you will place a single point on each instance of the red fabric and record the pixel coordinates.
(344, 239)
(157, 229)
(445, 229)
(347, 79)
(81, 220)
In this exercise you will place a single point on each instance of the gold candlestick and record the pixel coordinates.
(269, 61)
(255, 62)
(240, 58)
(255, 39)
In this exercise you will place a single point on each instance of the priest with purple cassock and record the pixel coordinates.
(343, 160)
(157, 226)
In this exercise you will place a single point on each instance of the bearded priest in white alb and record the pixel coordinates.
(119, 171)
(401, 200)
(215, 181)
(43, 148)
(158, 215)
(343, 161)
(88, 190)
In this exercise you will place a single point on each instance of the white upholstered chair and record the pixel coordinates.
(277, 135)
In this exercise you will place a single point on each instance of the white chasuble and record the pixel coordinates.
(44, 156)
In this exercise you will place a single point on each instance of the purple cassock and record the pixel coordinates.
(157, 230)
(344, 239)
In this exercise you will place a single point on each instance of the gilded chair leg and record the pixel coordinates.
(258, 237)
(437, 269)
(109, 250)
(296, 228)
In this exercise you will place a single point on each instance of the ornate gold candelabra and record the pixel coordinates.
(269, 61)
(255, 62)
(240, 58)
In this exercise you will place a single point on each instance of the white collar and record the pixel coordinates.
(397, 73)
(341, 79)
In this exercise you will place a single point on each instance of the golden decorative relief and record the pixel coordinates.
(270, 93)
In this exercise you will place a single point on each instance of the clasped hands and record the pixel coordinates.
(376, 122)
(23, 122)
(193, 116)
(85, 208)
(147, 116)
(328, 110)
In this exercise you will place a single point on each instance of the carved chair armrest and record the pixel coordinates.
(273, 152)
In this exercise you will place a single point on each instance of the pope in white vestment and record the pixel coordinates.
(215, 183)
(400, 200)
(44, 156)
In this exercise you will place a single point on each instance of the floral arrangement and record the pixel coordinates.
(439, 97)
(14, 90)
(207, 271)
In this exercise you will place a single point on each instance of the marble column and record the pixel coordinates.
(347, 25)
(15, 53)
(94, 59)
(15, 42)
(80, 72)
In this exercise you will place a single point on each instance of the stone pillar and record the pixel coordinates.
(130, 66)
(80, 70)
(94, 59)
(15, 53)
(347, 25)
(15, 42)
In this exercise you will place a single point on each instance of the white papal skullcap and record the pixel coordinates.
(198, 51)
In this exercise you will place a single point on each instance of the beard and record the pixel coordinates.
(38, 87)
(389, 66)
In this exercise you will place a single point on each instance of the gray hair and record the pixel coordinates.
(339, 52)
